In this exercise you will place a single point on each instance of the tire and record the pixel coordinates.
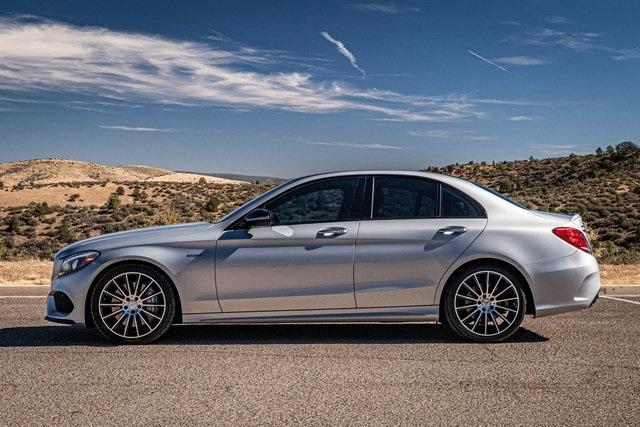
(485, 303)
(133, 304)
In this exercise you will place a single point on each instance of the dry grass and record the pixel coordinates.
(87, 195)
(31, 271)
(39, 272)
(623, 274)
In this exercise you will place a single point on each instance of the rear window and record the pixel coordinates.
(502, 196)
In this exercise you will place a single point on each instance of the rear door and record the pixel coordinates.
(415, 229)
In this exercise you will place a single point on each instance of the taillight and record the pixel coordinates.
(574, 237)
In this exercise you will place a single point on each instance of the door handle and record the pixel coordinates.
(452, 229)
(331, 232)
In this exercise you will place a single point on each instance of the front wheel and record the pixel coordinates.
(485, 303)
(132, 304)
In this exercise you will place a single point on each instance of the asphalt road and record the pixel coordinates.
(580, 368)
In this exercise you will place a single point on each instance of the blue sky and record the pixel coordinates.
(287, 88)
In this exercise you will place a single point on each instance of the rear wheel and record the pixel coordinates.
(132, 304)
(485, 303)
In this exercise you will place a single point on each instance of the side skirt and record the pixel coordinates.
(427, 313)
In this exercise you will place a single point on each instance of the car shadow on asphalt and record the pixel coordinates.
(54, 335)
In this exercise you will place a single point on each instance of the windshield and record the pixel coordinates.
(502, 196)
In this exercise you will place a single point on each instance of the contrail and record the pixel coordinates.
(487, 61)
(342, 49)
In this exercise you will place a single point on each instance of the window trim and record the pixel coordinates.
(356, 202)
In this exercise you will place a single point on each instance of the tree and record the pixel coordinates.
(14, 224)
(120, 190)
(599, 151)
(626, 147)
(531, 158)
(610, 149)
(202, 180)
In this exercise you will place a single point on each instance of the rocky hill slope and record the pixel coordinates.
(604, 188)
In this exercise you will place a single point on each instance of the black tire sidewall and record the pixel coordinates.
(454, 323)
(137, 268)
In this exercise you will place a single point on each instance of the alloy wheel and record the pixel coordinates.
(487, 303)
(132, 305)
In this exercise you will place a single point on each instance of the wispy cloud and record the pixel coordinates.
(513, 23)
(557, 20)
(354, 145)
(343, 51)
(387, 8)
(138, 129)
(521, 60)
(581, 42)
(131, 68)
(449, 134)
(521, 119)
(488, 61)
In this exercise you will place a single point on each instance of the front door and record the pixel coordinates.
(416, 230)
(303, 261)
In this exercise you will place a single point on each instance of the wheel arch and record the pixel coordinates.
(488, 261)
(87, 305)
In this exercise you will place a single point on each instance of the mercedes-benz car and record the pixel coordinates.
(365, 246)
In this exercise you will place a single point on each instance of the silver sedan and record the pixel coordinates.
(366, 246)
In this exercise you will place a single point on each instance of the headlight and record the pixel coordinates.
(76, 262)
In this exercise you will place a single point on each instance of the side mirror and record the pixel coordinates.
(259, 217)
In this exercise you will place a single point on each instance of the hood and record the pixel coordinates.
(137, 237)
(574, 218)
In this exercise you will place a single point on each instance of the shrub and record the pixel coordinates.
(113, 203)
(120, 190)
(212, 204)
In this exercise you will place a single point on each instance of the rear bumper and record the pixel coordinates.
(566, 284)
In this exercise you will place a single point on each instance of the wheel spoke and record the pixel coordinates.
(126, 278)
(475, 278)
(114, 296)
(117, 287)
(466, 306)
(117, 322)
(476, 322)
(151, 314)
(487, 282)
(504, 290)
(485, 322)
(474, 292)
(144, 321)
(496, 285)
(493, 319)
(471, 314)
(126, 325)
(506, 308)
(111, 314)
(503, 318)
(503, 300)
(466, 297)
(102, 304)
(156, 294)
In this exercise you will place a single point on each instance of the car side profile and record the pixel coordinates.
(364, 246)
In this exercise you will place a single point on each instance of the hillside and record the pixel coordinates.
(53, 171)
(604, 188)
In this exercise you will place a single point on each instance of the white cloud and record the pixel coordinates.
(582, 42)
(343, 51)
(353, 145)
(131, 68)
(521, 60)
(388, 8)
(557, 20)
(138, 129)
(521, 118)
(449, 134)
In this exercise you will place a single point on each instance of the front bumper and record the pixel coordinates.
(75, 286)
(566, 284)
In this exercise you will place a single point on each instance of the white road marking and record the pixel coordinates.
(621, 299)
